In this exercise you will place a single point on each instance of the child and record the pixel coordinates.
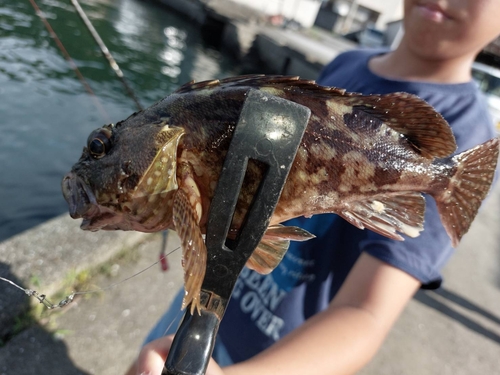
(352, 285)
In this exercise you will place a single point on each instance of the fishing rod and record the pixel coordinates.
(71, 62)
(105, 52)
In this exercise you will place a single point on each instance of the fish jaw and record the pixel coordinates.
(104, 219)
(80, 198)
(82, 203)
(144, 213)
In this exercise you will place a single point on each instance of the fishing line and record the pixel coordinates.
(42, 298)
(176, 318)
(128, 278)
(71, 62)
(105, 52)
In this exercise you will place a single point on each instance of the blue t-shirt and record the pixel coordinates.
(264, 308)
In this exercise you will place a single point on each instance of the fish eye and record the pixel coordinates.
(98, 143)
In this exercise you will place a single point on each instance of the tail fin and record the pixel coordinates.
(459, 203)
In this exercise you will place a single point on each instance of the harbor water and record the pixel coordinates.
(46, 113)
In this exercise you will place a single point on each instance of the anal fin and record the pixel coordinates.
(282, 232)
(194, 251)
(388, 214)
(273, 247)
(267, 255)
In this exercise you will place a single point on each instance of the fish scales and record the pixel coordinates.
(366, 158)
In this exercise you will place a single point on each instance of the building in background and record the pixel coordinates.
(303, 12)
(364, 20)
(355, 15)
(340, 16)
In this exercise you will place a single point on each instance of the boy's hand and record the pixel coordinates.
(153, 355)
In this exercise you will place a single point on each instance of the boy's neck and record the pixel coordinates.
(403, 64)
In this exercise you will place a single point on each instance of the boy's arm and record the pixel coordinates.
(343, 338)
(340, 340)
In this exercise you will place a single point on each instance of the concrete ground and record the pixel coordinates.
(98, 333)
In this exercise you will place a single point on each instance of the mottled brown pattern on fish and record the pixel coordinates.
(366, 158)
(355, 168)
(355, 147)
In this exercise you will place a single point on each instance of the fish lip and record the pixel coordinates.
(80, 198)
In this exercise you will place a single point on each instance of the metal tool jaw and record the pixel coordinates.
(269, 130)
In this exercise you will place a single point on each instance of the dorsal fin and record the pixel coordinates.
(424, 128)
(193, 85)
(260, 80)
(411, 116)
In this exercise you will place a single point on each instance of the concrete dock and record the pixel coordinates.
(452, 331)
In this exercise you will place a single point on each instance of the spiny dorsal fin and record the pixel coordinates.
(388, 214)
(411, 116)
(260, 80)
(193, 85)
(424, 128)
(238, 80)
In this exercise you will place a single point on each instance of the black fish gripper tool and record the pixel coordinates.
(269, 130)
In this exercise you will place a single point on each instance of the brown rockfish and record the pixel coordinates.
(365, 158)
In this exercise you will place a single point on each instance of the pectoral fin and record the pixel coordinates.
(194, 252)
(388, 214)
(273, 247)
(160, 178)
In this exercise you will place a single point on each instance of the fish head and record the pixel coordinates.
(125, 178)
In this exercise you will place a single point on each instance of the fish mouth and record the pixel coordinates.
(82, 204)
(80, 198)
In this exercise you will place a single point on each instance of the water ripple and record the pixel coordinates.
(47, 114)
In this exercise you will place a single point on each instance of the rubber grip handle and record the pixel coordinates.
(193, 344)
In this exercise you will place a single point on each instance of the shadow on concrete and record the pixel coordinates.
(455, 298)
(28, 350)
(13, 303)
(428, 299)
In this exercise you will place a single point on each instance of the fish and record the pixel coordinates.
(367, 159)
